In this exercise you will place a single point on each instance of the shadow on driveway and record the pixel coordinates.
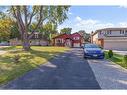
(66, 71)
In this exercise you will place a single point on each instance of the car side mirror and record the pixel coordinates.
(101, 47)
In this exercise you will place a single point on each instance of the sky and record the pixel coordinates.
(91, 18)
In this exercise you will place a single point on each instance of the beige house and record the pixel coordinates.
(36, 40)
(110, 38)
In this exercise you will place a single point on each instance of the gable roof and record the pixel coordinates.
(61, 35)
(76, 33)
(67, 35)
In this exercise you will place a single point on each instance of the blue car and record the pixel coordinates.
(93, 51)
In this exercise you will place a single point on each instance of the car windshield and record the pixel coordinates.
(91, 46)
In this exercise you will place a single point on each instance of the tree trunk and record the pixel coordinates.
(25, 41)
(26, 44)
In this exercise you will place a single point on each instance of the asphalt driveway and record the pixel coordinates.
(66, 71)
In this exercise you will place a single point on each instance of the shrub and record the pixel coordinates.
(110, 53)
(125, 59)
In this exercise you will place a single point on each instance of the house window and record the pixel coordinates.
(107, 32)
(122, 32)
(126, 32)
(110, 32)
(76, 38)
(59, 40)
(100, 32)
(36, 35)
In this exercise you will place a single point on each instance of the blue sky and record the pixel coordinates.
(91, 18)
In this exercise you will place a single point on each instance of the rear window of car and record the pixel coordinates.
(91, 46)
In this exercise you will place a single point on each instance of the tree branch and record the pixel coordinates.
(25, 15)
(19, 19)
(14, 13)
(31, 16)
(39, 22)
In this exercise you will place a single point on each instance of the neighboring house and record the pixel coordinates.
(37, 39)
(110, 38)
(69, 40)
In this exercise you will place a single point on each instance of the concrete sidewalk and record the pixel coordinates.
(109, 75)
(119, 52)
(2, 52)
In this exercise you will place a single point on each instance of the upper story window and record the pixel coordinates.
(126, 32)
(105, 32)
(110, 32)
(100, 32)
(76, 38)
(121, 31)
(36, 35)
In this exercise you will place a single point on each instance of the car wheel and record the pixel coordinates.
(85, 57)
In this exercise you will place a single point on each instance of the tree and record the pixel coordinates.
(85, 35)
(49, 30)
(66, 30)
(5, 29)
(14, 31)
(8, 28)
(26, 15)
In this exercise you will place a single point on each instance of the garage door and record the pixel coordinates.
(115, 45)
(76, 45)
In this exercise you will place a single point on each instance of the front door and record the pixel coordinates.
(68, 43)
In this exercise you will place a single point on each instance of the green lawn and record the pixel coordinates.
(28, 60)
(116, 59)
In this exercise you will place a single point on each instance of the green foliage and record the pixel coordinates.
(48, 30)
(85, 35)
(125, 59)
(5, 29)
(118, 59)
(110, 53)
(2, 15)
(66, 30)
(8, 29)
(14, 31)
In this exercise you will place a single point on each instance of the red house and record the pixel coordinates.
(69, 40)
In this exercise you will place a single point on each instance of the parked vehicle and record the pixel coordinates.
(93, 51)
(4, 44)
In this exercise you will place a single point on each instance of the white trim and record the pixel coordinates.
(115, 40)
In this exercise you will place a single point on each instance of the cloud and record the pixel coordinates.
(103, 25)
(78, 18)
(91, 24)
(123, 6)
(123, 24)
(70, 13)
(87, 22)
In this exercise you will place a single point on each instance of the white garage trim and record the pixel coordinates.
(76, 45)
